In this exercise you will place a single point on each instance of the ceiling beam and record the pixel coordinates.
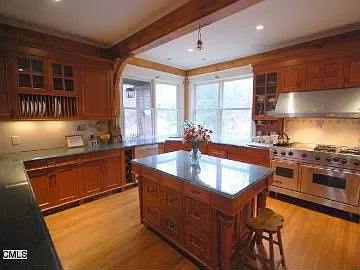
(140, 62)
(181, 21)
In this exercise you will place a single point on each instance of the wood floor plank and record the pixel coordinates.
(107, 234)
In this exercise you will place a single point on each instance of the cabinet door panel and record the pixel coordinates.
(172, 227)
(198, 243)
(151, 213)
(173, 202)
(96, 91)
(292, 79)
(67, 184)
(352, 72)
(314, 76)
(198, 214)
(4, 91)
(41, 186)
(91, 177)
(113, 172)
(333, 74)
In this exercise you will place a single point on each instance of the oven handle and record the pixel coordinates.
(329, 170)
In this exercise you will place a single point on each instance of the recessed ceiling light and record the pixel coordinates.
(204, 59)
(190, 50)
(57, 0)
(169, 59)
(259, 27)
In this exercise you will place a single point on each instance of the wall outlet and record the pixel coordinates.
(15, 140)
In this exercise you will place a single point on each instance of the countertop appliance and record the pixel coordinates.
(324, 174)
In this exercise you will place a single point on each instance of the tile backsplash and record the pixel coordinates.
(45, 134)
(324, 131)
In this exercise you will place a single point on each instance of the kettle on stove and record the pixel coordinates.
(283, 139)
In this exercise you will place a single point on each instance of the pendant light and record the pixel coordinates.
(199, 43)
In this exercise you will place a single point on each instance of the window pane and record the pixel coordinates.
(238, 93)
(236, 124)
(138, 122)
(166, 96)
(166, 122)
(207, 118)
(207, 96)
(136, 94)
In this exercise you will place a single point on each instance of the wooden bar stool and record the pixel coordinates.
(269, 222)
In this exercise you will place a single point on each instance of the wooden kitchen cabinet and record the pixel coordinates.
(96, 92)
(113, 172)
(292, 79)
(42, 187)
(91, 174)
(66, 181)
(5, 112)
(324, 75)
(352, 72)
(170, 146)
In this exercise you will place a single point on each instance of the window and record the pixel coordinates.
(150, 109)
(225, 107)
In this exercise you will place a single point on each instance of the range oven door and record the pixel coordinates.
(286, 174)
(337, 185)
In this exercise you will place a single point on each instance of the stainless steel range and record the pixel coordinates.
(324, 174)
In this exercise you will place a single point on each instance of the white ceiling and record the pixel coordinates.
(285, 22)
(98, 22)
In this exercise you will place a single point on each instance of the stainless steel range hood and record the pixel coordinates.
(337, 103)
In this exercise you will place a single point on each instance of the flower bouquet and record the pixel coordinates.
(195, 135)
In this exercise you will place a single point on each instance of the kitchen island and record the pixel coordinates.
(201, 209)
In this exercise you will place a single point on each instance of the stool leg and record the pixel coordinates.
(271, 249)
(281, 247)
(248, 247)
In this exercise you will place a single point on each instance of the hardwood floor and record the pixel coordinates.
(107, 234)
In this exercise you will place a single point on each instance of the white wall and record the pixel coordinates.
(44, 134)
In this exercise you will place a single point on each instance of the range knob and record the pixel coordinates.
(274, 152)
(336, 159)
(343, 161)
(290, 153)
(283, 153)
(328, 159)
(356, 162)
(317, 157)
(304, 155)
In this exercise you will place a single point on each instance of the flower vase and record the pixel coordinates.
(195, 155)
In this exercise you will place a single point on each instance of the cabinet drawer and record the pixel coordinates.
(150, 174)
(198, 243)
(173, 202)
(198, 215)
(151, 213)
(171, 183)
(196, 192)
(172, 227)
(151, 191)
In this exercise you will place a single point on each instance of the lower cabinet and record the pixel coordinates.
(91, 173)
(61, 181)
(66, 181)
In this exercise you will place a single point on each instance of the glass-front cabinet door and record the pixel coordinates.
(30, 73)
(62, 77)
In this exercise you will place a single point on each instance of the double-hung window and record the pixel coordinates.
(225, 107)
(150, 108)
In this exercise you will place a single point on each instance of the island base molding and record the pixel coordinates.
(207, 226)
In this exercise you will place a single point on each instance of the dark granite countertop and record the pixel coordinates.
(224, 176)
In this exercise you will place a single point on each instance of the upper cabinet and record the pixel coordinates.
(265, 90)
(54, 88)
(96, 92)
(5, 112)
(352, 71)
(324, 75)
(292, 78)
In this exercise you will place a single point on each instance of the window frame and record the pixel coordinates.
(152, 108)
(220, 106)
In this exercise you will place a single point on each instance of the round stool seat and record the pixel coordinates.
(266, 220)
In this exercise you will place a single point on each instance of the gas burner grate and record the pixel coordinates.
(325, 148)
(350, 150)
